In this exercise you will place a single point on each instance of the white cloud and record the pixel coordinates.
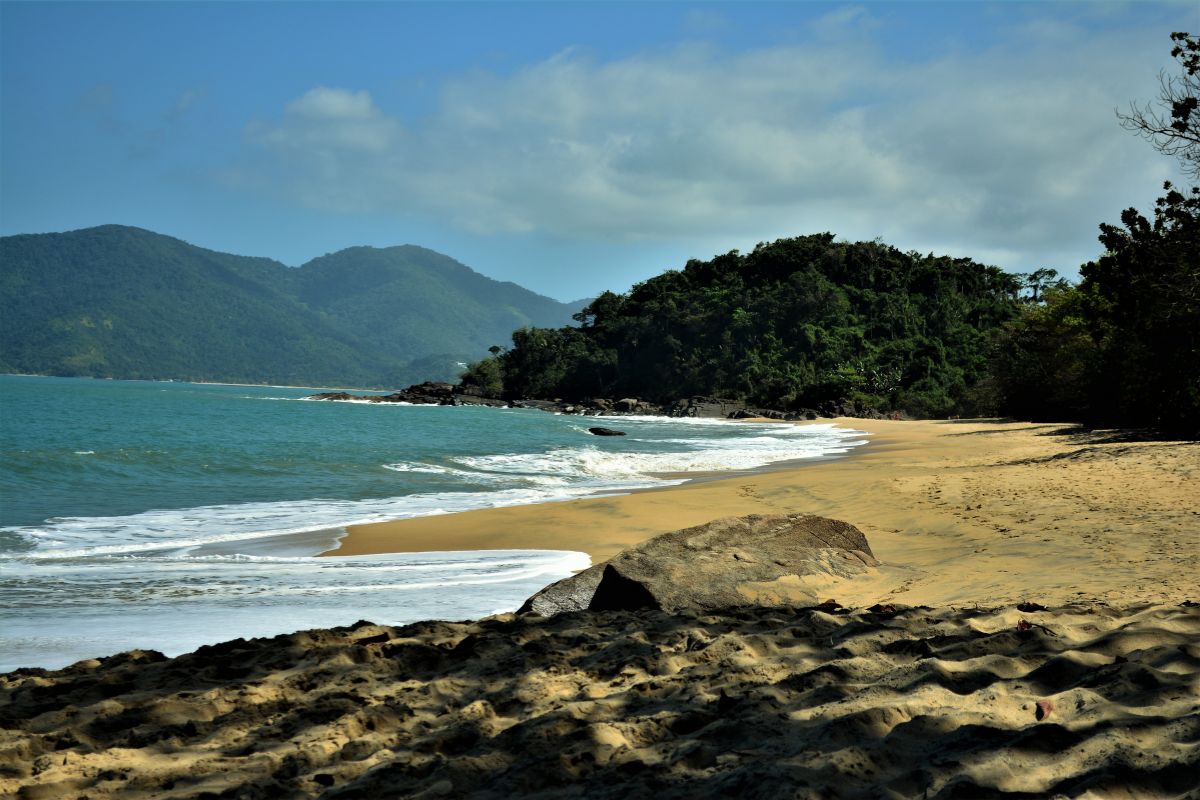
(1013, 153)
(333, 104)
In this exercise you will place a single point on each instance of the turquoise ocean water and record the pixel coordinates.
(170, 515)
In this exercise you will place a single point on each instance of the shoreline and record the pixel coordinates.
(958, 512)
(465, 530)
(1087, 685)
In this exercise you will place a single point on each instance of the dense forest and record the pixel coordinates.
(807, 321)
(794, 323)
(122, 302)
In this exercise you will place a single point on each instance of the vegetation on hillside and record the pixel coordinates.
(794, 323)
(122, 302)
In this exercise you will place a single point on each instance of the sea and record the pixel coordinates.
(165, 516)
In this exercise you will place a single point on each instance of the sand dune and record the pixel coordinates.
(763, 703)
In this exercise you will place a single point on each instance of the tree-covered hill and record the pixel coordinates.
(122, 302)
(408, 300)
(797, 322)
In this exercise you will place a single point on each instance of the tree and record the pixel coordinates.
(1039, 282)
(1174, 131)
(1045, 361)
(1148, 285)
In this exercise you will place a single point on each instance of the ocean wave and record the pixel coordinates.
(594, 463)
(180, 530)
(352, 401)
(654, 448)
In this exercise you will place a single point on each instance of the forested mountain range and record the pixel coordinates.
(122, 302)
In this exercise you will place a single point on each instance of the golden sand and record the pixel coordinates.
(959, 512)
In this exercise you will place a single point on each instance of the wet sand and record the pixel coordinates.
(959, 512)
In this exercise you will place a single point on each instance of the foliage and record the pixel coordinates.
(794, 323)
(1175, 131)
(1148, 295)
(1122, 348)
(122, 302)
(485, 376)
(1046, 360)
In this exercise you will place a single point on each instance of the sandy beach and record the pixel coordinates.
(1031, 631)
(958, 512)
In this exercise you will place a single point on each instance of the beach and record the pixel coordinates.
(958, 512)
(1031, 630)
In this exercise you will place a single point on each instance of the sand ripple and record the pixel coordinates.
(772, 702)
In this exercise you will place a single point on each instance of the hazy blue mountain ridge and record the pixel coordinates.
(122, 302)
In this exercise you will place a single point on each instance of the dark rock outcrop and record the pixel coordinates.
(334, 396)
(447, 394)
(736, 561)
(605, 432)
(434, 393)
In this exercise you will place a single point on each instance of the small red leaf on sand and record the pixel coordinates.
(1023, 625)
(1044, 707)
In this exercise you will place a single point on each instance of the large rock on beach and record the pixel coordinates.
(737, 561)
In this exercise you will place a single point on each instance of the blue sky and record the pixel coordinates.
(577, 147)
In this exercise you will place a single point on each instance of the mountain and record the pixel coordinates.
(408, 300)
(122, 302)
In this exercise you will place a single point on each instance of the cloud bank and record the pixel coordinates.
(1012, 155)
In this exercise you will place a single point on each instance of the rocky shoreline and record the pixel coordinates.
(700, 406)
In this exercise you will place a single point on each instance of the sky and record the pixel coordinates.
(574, 147)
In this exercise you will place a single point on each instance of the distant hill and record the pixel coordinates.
(122, 302)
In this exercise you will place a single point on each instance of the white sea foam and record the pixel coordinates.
(100, 605)
(180, 530)
(594, 463)
(248, 568)
(353, 400)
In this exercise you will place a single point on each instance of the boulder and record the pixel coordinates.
(332, 396)
(571, 594)
(701, 406)
(605, 432)
(779, 559)
(626, 404)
